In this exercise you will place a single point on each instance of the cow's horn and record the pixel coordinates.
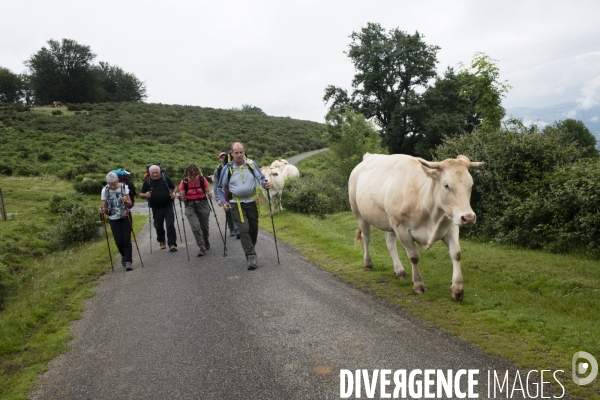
(429, 164)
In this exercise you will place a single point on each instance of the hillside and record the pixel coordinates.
(106, 136)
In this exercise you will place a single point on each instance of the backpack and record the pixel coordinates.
(122, 192)
(124, 179)
(185, 185)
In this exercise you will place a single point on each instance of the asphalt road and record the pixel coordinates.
(210, 329)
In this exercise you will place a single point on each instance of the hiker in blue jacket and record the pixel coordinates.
(239, 178)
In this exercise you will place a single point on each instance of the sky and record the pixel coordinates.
(281, 55)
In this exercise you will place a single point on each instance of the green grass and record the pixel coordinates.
(533, 308)
(46, 286)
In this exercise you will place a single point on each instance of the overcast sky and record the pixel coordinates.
(280, 55)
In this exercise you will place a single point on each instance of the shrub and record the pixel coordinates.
(77, 225)
(315, 196)
(89, 183)
(44, 156)
(4, 283)
(6, 170)
(57, 112)
(62, 203)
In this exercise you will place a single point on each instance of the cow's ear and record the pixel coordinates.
(476, 164)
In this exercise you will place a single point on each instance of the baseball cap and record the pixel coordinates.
(221, 154)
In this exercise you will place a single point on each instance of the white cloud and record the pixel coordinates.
(280, 55)
(590, 94)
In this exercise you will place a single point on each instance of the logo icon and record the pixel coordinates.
(580, 368)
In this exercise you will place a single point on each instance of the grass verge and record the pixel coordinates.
(45, 288)
(535, 309)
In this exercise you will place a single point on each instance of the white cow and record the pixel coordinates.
(279, 163)
(290, 171)
(416, 201)
(275, 176)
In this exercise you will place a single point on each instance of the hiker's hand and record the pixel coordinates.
(219, 203)
(101, 210)
(209, 194)
(173, 195)
(226, 207)
(267, 185)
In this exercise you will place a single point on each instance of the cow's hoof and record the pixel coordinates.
(368, 267)
(419, 289)
(401, 275)
(457, 295)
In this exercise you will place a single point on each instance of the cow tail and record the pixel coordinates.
(358, 236)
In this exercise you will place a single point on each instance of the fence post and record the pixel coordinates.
(2, 208)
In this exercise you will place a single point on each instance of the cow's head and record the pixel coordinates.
(455, 183)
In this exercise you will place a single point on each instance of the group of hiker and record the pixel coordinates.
(235, 185)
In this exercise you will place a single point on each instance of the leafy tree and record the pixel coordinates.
(11, 86)
(392, 68)
(484, 91)
(64, 72)
(252, 109)
(443, 113)
(571, 131)
(119, 85)
(350, 137)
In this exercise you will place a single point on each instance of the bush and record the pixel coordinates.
(57, 112)
(516, 163)
(6, 170)
(77, 225)
(89, 183)
(315, 196)
(4, 283)
(62, 203)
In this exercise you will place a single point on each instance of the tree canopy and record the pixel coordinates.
(12, 86)
(393, 69)
(64, 71)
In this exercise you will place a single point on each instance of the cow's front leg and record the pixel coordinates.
(451, 242)
(413, 255)
(390, 241)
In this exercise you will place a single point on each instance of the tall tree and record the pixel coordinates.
(392, 69)
(12, 87)
(64, 72)
(574, 131)
(484, 90)
(119, 85)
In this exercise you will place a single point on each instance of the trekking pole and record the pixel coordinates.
(273, 223)
(134, 238)
(184, 234)
(225, 241)
(174, 209)
(108, 244)
(150, 227)
(212, 208)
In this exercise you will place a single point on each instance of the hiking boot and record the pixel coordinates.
(162, 245)
(201, 252)
(172, 248)
(123, 261)
(231, 232)
(128, 266)
(207, 244)
(252, 262)
(237, 233)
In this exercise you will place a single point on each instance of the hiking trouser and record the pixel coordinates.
(198, 213)
(229, 219)
(248, 228)
(121, 230)
(162, 216)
